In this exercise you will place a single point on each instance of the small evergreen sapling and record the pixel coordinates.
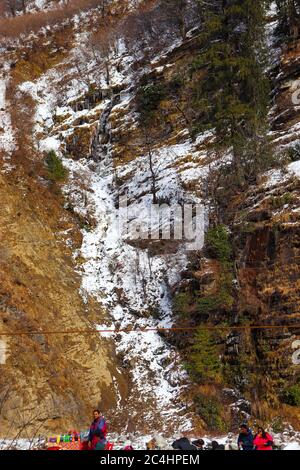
(56, 170)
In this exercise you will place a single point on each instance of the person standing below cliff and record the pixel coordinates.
(263, 440)
(245, 440)
(98, 430)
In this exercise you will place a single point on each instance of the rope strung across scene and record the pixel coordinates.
(147, 330)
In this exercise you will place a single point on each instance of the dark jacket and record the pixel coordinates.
(183, 444)
(216, 446)
(246, 441)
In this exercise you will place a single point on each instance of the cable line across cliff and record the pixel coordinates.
(148, 330)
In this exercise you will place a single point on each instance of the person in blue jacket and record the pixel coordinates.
(98, 430)
(245, 440)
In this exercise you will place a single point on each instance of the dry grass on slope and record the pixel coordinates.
(13, 27)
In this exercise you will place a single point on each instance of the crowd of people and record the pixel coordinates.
(262, 440)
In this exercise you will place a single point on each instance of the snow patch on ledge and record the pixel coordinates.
(295, 168)
(277, 177)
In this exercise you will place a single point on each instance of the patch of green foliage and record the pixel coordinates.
(182, 302)
(219, 246)
(209, 408)
(218, 242)
(148, 100)
(291, 395)
(288, 14)
(204, 362)
(279, 201)
(207, 304)
(232, 97)
(223, 300)
(56, 170)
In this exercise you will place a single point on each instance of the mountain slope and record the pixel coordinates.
(95, 108)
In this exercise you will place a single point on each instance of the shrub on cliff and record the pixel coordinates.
(56, 170)
(148, 100)
(291, 395)
(209, 408)
(183, 303)
(218, 242)
(219, 247)
(222, 300)
(204, 361)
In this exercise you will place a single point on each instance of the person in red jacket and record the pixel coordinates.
(263, 440)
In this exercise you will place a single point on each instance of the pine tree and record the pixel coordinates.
(289, 18)
(232, 97)
(204, 360)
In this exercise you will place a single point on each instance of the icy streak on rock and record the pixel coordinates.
(3, 353)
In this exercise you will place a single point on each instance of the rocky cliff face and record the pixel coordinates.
(263, 238)
(50, 379)
(58, 98)
(83, 91)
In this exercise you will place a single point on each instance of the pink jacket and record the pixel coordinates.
(262, 443)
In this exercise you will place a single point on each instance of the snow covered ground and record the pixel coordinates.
(292, 446)
(282, 442)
